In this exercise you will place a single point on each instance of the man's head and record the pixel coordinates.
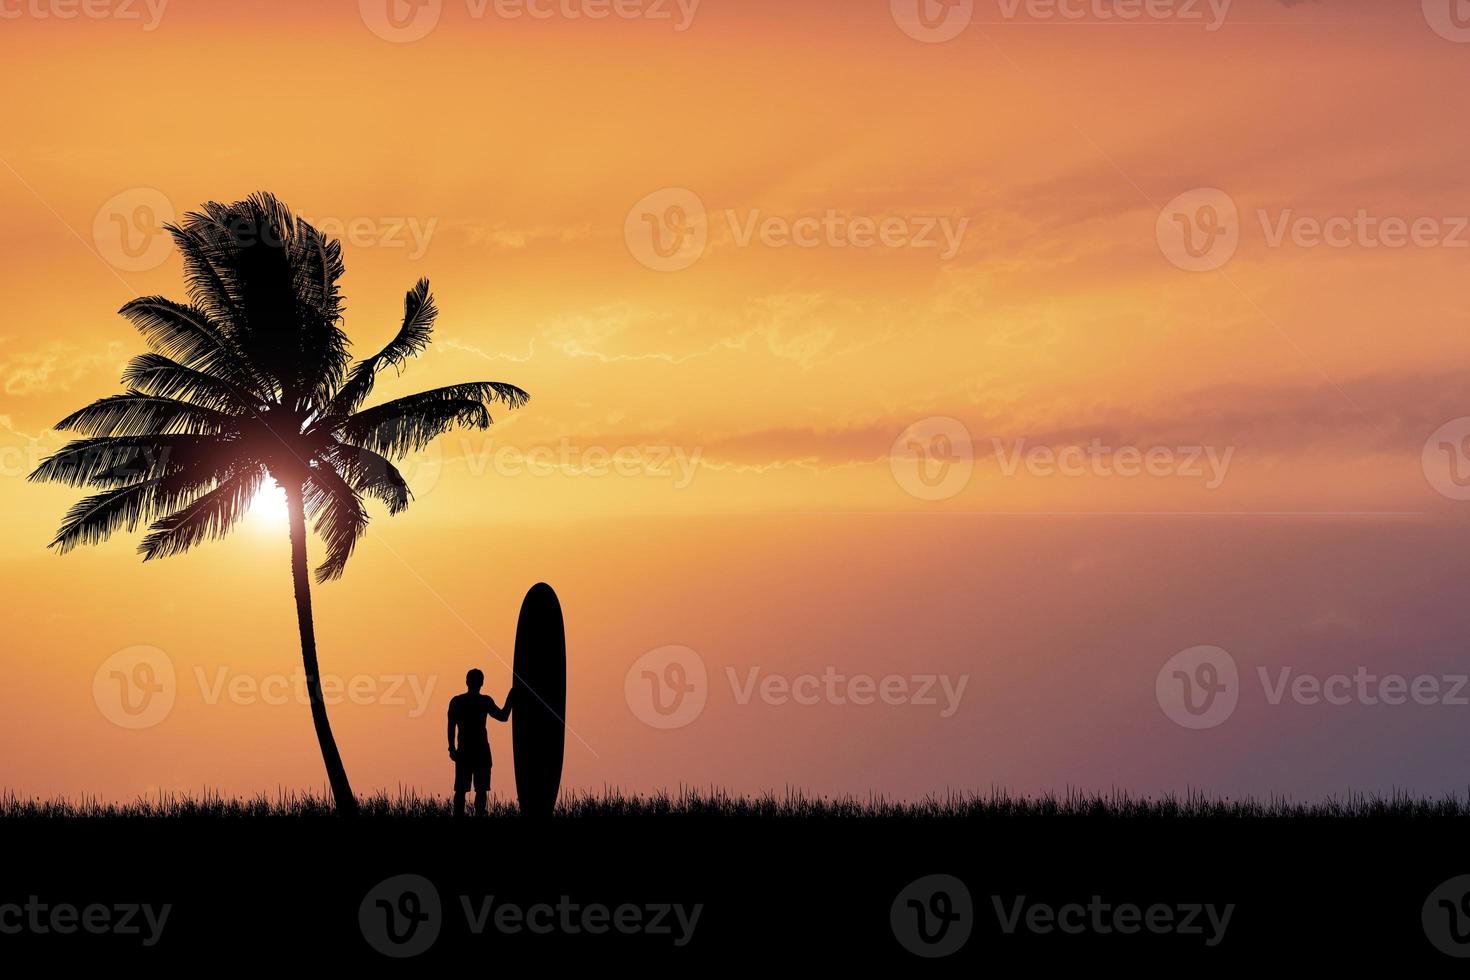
(474, 680)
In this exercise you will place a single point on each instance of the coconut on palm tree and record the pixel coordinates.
(250, 381)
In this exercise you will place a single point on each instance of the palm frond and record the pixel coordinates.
(407, 430)
(194, 338)
(277, 278)
(210, 516)
(154, 374)
(318, 263)
(204, 248)
(136, 414)
(117, 460)
(92, 519)
(419, 313)
(340, 518)
(411, 423)
(367, 472)
(322, 364)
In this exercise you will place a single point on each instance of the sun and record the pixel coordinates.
(268, 510)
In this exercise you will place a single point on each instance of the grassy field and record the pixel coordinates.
(814, 876)
(697, 805)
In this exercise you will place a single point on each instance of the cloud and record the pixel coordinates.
(503, 236)
(54, 367)
(1368, 416)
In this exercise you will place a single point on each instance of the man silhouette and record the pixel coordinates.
(467, 713)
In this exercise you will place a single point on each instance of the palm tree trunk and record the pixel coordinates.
(336, 774)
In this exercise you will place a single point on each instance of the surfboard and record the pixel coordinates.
(539, 709)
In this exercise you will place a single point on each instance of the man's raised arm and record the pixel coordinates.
(499, 713)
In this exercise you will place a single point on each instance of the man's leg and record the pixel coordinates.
(462, 774)
(482, 789)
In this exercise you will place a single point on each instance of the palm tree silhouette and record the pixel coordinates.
(250, 381)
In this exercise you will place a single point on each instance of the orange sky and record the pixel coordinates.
(757, 395)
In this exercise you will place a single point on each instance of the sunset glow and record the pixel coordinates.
(990, 371)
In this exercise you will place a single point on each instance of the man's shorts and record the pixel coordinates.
(472, 767)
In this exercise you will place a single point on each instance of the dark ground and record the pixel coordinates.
(773, 891)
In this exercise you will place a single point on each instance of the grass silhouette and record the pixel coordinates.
(688, 804)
